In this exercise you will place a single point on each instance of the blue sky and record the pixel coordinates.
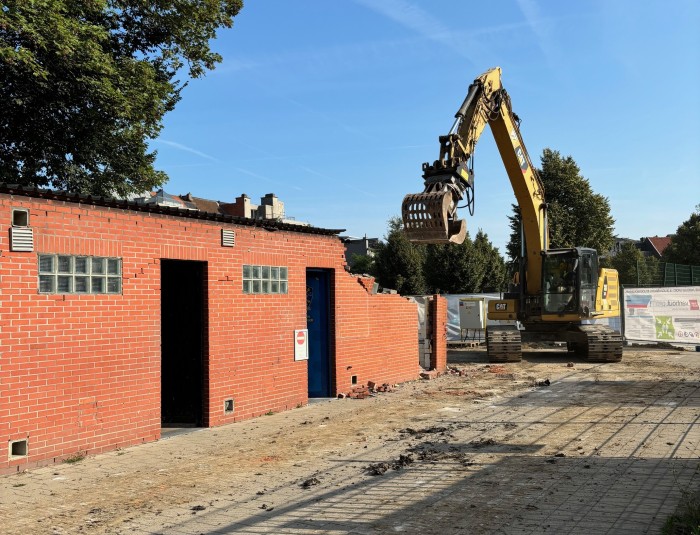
(333, 105)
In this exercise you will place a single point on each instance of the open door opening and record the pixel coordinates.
(318, 323)
(183, 291)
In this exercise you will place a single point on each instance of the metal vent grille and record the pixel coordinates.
(21, 239)
(228, 238)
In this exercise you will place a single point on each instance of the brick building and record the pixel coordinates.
(118, 318)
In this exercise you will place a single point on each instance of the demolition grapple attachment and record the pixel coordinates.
(431, 216)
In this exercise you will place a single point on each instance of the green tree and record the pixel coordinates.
(399, 263)
(632, 267)
(470, 267)
(85, 84)
(360, 263)
(577, 216)
(496, 274)
(685, 244)
(448, 268)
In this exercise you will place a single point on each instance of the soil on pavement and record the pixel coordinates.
(549, 445)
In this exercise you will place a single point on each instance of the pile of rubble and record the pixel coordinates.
(365, 391)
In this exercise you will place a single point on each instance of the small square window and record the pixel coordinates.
(98, 266)
(283, 273)
(275, 287)
(257, 271)
(81, 285)
(97, 285)
(266, 272)
(46, 263)
(65, 264)
(283, 287)
(81, 264)
(46, 283)
(266, 287)
(113, 285)
(247, 287)
(113, 266)
(274, 273)
(247, 272)
(256, 286)
(64, 284)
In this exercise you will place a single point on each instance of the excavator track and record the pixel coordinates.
(503, 344)
(603, 344)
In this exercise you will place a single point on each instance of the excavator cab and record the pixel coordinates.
(569, 280)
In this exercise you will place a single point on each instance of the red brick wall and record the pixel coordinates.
(438, 311)
(82, 373)
(376, 335)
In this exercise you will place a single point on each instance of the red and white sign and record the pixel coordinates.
(301, 344)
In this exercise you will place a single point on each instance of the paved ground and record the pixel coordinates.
(602, 449)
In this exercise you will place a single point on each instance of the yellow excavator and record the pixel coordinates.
(559, 292)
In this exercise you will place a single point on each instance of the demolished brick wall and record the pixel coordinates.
(81, 373)
(438, 311)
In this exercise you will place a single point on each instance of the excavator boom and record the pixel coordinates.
(431, 216)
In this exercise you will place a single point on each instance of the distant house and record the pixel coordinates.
(654, 245)
(359, 246)
(650, 246)
(270, 207)
(619, 244)
(161, 198)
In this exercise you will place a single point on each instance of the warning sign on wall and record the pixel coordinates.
(301, 344)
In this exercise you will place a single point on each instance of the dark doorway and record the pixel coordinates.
(183, 291)
(318, 324)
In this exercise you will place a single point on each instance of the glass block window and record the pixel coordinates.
(264, 280)
(65, 274)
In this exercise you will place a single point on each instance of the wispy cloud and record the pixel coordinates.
(347, 185)
(265, 178)
(539, 26)
(418, 20)
(185, 148)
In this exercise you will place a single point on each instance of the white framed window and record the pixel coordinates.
(66, 274)
(265, 279)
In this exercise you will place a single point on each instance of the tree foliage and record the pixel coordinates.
(685, 244)
(399, 263)
(470, 267)
(450, 269)
(633, 268)
(577, 216)
(85, 84)
(362, 264)
(495, 273)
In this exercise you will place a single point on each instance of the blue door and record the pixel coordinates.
(317, 322)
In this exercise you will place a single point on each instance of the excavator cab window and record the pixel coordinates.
(561, 272)
(589, 279)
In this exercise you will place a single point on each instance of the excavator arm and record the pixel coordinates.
(431, 216)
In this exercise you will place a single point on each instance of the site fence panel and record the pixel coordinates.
(652, 273)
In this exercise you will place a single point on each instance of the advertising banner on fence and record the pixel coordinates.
(663, 314)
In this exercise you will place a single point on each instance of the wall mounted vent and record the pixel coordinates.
(228, 238)
(20, 217)
(18, 448)
(21, 239)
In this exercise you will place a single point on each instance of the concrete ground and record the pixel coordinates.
(604, 448)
